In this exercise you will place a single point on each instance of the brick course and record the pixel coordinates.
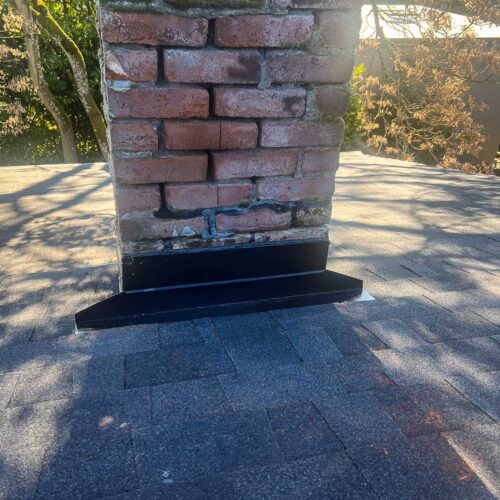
(158, 103)
(189, 168)
(134, 136)
(254, 220)
(153, 29)
(137, 65)
(263, 31)
(210, 66)
(284, 134)
(237, 165)
(308, 68)
(223, 118)
(254, 103)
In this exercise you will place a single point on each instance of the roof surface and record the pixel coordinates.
(392, 398)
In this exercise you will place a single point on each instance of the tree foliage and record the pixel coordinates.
(37, 139)
(421, 108)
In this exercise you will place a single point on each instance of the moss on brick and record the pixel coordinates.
(186, 6)
(214, 4)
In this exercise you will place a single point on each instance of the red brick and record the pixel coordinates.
(320, 161)
(158, 103)
(191, 197)
(254, 103)
(331, 100)
(212, 66)
(136, 199)
(263, 31)
(254, 220)
(189, 168)
(153, 29)
(340, 28)
(148, 227)
(235, 194)
(306, 68)
(242, 135)
(134, 136)
(233, 165)
(192, 135)
(138, 65)
(291, 189)
(301, 134)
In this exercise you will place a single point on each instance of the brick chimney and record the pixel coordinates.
(225, 128)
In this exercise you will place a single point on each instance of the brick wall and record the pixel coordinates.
(225, 117)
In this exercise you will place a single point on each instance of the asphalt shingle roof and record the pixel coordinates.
(393, 398)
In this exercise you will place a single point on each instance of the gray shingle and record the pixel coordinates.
(177, 363)
(468, 356)
(89, 467)
(106, 411)
(200, 396)
(480, 447)
(301, 431)
(354, 373)
(483, 390)
(275, 385)
(196, 448)
(410, 367)
(261, 348)
(43, 383)
(358, 418)
(451, 326)
(182, 332)
(395, 333)
(313, 344)
(426, 467)
(424, 409)
(324, 476)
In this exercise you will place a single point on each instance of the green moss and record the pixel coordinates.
(214, 4)
(181, 5)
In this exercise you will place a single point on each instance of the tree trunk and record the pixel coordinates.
(62, 119)
(77, 63)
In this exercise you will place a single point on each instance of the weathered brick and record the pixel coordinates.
(212, 66)
(137, 65)
(313, 215)
(301, 134)
(307, 68)
(134, 136)
(147, 227)
(239, 135)
(320, 161)
(191, 197)
(135, 247)
(153, 29)
(158, 103)
(253, 220)
(330, 100)
(263, 31)
(324, 4)
(234, 165)
(198, 196)
(294, 233)
(233, 239)
(233, 194)
(136, 199)
(254, 103)
(339, 29)
(192, 135)
(189, 168)
(291, 189)
(211, 135)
